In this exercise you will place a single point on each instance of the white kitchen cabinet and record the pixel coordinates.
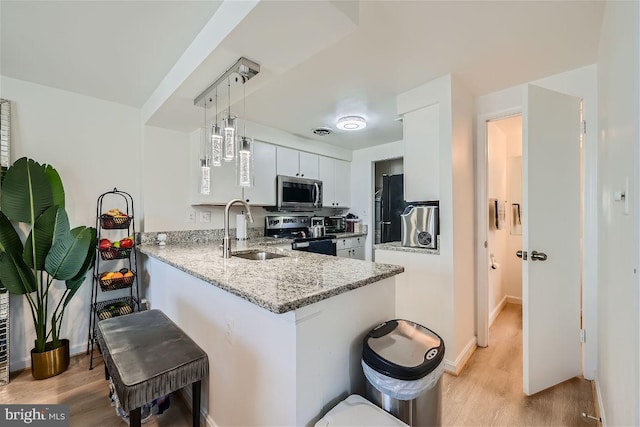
(263, 191)
(342, 183)
(336, 182)
(296, 163)
(422, 155)
(224, 183)
(350, 247)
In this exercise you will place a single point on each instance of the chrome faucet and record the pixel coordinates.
(226, 242)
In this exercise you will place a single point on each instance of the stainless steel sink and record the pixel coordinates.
(258, 255)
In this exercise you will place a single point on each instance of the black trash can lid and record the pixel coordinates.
(403, 350)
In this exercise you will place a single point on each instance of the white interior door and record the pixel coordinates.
(551, 227)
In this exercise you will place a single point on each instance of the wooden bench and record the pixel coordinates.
(148, 356)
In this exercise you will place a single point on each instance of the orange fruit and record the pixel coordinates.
(117, 275)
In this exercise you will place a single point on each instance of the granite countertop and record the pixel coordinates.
(279, 285)
(397, 246)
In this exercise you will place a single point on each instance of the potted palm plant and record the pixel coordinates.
(32, 204)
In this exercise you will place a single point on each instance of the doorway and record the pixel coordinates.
(504, 225)
(388, 199)
(552, 210)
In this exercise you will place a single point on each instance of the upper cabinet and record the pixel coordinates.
(422, 154)
(336, 182)
(296, 163)
(263, 191)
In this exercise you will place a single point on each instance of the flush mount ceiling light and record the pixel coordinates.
(351, 123)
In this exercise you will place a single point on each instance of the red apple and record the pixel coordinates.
(104, 244)
(126, 243)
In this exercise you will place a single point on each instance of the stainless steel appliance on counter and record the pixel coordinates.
(420, 226)
(335, 224)
(389, 205)
(298, 229)
(298, 194)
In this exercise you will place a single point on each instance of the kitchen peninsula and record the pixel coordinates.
(283, 335)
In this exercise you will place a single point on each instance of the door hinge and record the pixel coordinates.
(583, 127)
(583, 335)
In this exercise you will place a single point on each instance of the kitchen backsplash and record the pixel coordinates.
(195, 236)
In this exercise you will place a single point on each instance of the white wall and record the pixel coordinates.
(462, 207)
(579, 82)
(618, 332)
(95, 146)
(362, 189)
(454, 268)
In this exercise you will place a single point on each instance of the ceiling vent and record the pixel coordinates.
(322, 131)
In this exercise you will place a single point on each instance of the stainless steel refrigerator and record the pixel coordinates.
(389, 205)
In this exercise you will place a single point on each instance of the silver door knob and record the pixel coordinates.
(538, 256)
(522, 254)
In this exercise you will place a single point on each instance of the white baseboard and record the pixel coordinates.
(19, 365)
(456, 366)
(514, 300)
(603, 418)
(185, 395)
(496, 311)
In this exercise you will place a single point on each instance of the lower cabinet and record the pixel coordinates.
(350, 247)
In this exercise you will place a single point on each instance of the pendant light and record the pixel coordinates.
(245, 150)
(216, 139)
(230, 123)
(205, 158)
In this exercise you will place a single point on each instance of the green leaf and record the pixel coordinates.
(26, 191)
(16, 275)
(69, 252)
(79, 278)
(51, 224)
(9, 239)
(57, 189)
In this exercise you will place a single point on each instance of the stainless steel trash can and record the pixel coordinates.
(403, 363)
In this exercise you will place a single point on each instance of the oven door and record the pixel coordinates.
(324, 247)
(299, 194)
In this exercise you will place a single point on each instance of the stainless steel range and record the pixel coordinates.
(297, 228)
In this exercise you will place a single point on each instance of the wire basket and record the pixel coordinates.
(115, 222)
(118, 283)
(115, 253)
(114, 310)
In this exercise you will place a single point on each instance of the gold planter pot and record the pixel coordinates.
(51, 362)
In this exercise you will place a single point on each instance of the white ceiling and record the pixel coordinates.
(114, 50)
(319, 59)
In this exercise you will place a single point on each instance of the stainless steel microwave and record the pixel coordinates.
(299, 194)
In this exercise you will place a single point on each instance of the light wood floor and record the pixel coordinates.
(487, 393)
(489, 390)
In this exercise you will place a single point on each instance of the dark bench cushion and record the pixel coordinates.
(148, 356)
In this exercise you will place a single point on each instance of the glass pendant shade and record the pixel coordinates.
(205, 163)
(216, 145)
(245, 162)
(229, 131)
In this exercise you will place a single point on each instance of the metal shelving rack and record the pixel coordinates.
(4, 337)
(108, 260)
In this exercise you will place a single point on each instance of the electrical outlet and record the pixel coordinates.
(191, 216)
(205, 216)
